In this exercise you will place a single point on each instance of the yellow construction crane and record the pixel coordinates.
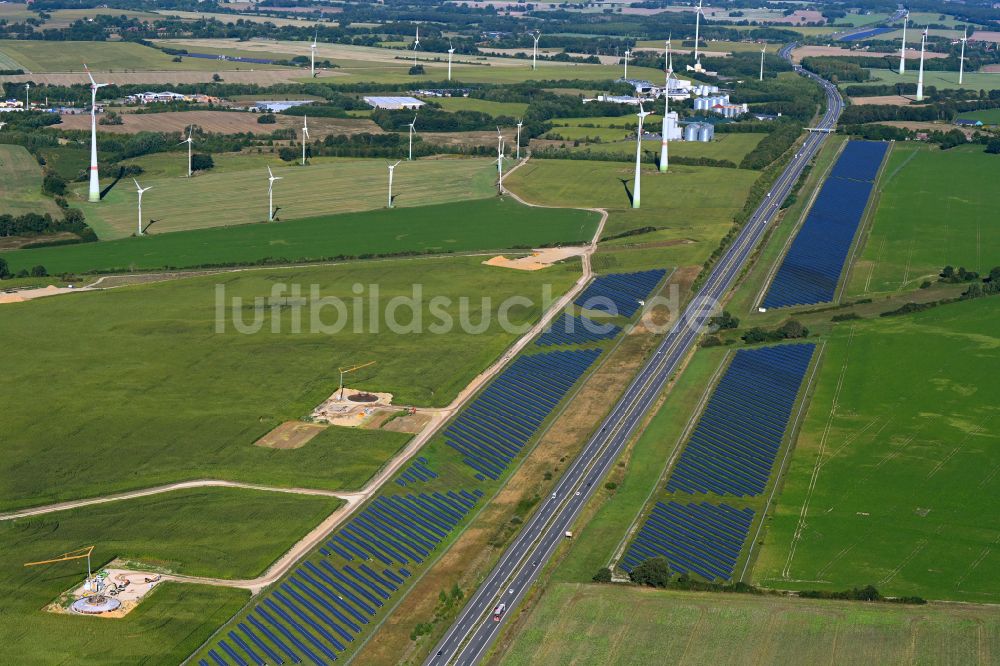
(344, 371)
(77, 554)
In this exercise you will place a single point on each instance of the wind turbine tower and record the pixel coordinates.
(416, 43)
(638, 156)
(961, 58)
(499, 145)
(920, 75)
(392, 167)
(27, 102)
(94, 194)
(627, 55)
(189, 141)
(762, 50)
(270, 193)
(413, 129)
(665, 131)
(534, 52)
(697, 31)
(902, 49)
(451, 51)
(518, 147)
(305, 136)
(140, 189)
(312, 55)
(500, 157)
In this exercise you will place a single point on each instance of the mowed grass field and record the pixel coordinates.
(219, 532)
(935, 208)
(987, 116)
(691, 208)
(940, 79)
(483, 224)
(172, 398)
(732, 147)
(895, 475)
(515, 109)
(324, 188)
(41, 56)
(613, 624)
(21, 185)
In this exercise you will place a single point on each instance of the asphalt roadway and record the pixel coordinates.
(477, 625)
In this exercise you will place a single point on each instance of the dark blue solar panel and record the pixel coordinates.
(811, 269)
(734, 444)
(865, 34)
(703, 539)
(570, 330)
(619, 293)
(493, 429)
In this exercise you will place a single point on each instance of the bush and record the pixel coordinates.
(54, 184)
(653, 573)
(4, 269)
(603, 575)
(288, 154)
(201, 162)
(993, 147)
(846, 317)
(611, 485)
(39, 271)
(266, 119)
(416, 70)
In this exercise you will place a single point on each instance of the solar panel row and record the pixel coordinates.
(619, 293)
(734, 444)
(570, 330)
(494, 428)
(703, 539)
(865, 34)
(322, 606)
(418, 471)
(811, 269)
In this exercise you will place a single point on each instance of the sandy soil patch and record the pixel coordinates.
(41, 292)
(125, 586)
(351, 408)
(263, 77)
(290, 435)
(222, 122)
(889, 100)
(411, 423)
(537, 260)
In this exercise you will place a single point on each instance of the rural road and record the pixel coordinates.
(478, 625)
(354, 499)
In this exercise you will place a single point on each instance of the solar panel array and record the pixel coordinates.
(494, 428)
(811, 269)
(703, 539)
(619, 293)
(417, 472)
(734, 444)
(324, 604)
(570, 330)
(731, 452)
(865, 34)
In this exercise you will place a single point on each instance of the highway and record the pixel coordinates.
(475, 628)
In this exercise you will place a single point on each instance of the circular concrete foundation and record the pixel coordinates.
(95, 605)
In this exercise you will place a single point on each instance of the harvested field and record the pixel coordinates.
(261, 77)
(990, 69)
(222, 122)
(986, 36)
(920, 126)
(888, 100)
(290, 435)
(810, 51)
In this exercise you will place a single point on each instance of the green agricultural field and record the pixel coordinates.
(456, 227)
(219, 532)
(68, 161)
(514, 109)
(934, 208)
(913, 34)
(240, 196)
(174, 398)
(939, 79)
(40, 56)
(691, 208)
(857, 19)
(615, 624)
(987, 116)
(733, 147)
(894, 477)
(21, 185)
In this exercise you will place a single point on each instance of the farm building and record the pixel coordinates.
(394, 102)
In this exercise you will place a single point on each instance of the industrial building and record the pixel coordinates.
(703, 132)
(673, 128)
(721, 105)
(394, 103)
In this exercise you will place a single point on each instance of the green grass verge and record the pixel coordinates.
(610, 624)
(21, 185)
(894, 474)
(455, 227)
(139, 377)
(935, 208)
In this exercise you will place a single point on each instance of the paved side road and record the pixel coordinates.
(477, 626)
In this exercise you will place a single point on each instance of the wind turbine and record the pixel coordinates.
(534, 52)
(270, 193)
(416, 43)
(961, 59)
(902, 48)
(312, 55)
(451, 51)
(638, 156)
(140, 189)
(519, 123)
(627, 54)
(392, 167)
(499, 145)
(94, 194)
(2, 124)
(665, 132)
(697, 31)
(305, 135)
(413, 130)
(762, 50)
(920, 75)
(27, 89)
(189, 141)
(500, 157)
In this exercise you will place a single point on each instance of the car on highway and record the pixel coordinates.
(498, 612)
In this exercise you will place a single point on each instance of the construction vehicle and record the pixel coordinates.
(344, 371)
(77, 554)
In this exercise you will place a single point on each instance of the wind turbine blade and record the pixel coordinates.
(87, 69)
(137, 186)
(269, 174)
